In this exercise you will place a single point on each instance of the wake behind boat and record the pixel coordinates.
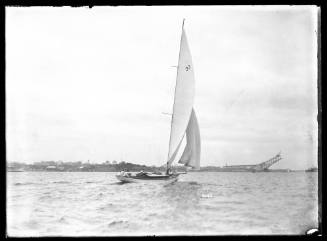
(183, 122)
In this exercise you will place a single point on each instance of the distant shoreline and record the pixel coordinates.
(59, 166)
(274, 171)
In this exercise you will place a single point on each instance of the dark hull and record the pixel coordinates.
(146, 178)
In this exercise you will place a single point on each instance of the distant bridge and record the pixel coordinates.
(265, 165)
(258, 167)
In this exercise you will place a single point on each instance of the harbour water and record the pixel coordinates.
(200, 203)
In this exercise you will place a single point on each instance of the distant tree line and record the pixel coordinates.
(85, 167)
(107, 166)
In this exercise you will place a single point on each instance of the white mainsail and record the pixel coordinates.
(184, 98)
(192, 151)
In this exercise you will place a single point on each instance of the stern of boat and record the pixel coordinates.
(124, 178)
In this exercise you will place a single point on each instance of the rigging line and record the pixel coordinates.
(235, 100)
(165, 113)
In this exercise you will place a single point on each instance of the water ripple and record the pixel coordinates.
(95, 204)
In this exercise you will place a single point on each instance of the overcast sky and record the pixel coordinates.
(91, 84)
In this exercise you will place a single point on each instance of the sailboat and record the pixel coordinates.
(183, 123)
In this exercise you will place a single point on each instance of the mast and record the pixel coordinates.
(172, 118)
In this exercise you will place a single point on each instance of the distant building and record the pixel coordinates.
(51, 167)
(312, 169)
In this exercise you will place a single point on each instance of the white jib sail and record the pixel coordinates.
(192, 151)
(184, 98)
